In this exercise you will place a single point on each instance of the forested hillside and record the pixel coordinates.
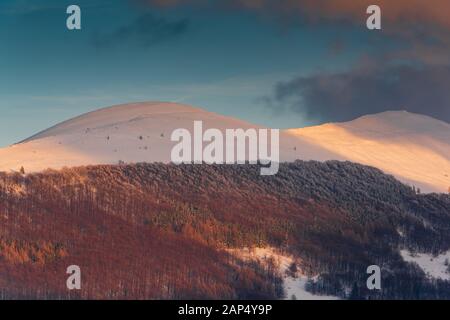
(156, 231)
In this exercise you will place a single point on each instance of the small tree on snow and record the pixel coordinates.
(22, 170)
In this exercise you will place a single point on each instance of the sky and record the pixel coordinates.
(283, 63)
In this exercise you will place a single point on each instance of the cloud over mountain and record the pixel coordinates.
(350, 94)
(409, 70)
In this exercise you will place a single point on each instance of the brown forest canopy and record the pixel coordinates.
(155, 231)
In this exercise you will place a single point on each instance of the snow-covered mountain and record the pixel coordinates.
(138, 132)
(414, 148)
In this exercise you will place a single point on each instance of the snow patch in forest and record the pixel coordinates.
(435, 267)
(294, 283)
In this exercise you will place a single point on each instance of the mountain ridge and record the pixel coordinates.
(412, 147)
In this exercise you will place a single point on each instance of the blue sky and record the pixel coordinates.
(227, 61)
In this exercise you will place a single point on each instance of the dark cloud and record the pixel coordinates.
(146, 30)
(345, 96)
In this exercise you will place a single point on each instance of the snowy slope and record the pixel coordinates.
(412, 147)
(138, 132)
